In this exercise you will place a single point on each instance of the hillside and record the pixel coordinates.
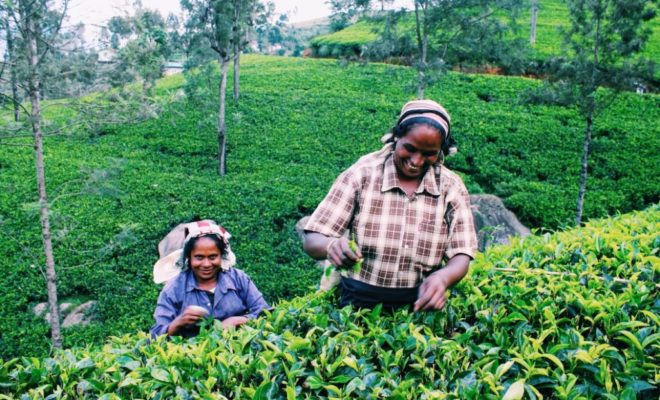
(569, 315)
(300, 122)
(552, 16)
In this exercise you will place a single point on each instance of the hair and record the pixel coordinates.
(401, 130)
(187, 249)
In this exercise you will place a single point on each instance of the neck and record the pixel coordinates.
(207, 284)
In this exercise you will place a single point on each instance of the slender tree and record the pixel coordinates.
(534, 11)
(36, 38)
(601, 49)
(210, 23)
(10, 63)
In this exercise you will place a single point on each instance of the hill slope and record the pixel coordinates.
(299, 124)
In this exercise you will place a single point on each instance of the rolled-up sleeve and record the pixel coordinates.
(335, 213)
(166, 311)
(462, 234)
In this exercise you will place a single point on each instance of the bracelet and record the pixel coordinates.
(327, 248)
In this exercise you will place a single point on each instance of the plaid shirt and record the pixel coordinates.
(402, 238)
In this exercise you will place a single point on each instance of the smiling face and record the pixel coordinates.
(205, 260)
(416, 151)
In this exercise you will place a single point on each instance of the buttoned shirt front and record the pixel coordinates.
(402, 238)
(235, 295)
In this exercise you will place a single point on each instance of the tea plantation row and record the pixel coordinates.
(566, 316)
(299, 124)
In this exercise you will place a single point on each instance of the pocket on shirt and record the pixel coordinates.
(431, 243)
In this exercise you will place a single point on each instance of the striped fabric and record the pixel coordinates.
(402, 238)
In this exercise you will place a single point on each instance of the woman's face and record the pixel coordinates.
(416, 151)
(205, 259)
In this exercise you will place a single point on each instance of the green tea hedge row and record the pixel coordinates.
(567, 316)
(299, 124)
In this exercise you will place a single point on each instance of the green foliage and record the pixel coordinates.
(570, 315)
(553, 15)
(299, 124)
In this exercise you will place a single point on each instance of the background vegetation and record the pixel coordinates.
(284, 152)
(552, 16)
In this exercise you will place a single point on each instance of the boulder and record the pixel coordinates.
(493, 222)
(80, 315)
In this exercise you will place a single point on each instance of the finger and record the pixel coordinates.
(437, 301)
(423, 297)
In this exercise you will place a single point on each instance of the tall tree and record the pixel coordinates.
(36, 38)
(141, 43)
(534, 11)
(210, 24)
(602, 46)
(451, 30)
(246, 15)
(10, 63)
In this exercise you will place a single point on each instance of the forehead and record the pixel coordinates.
(205, 244)
(423, 137)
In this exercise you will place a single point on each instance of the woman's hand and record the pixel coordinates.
(191, 315)
(340, 255)
(433, 291)
(233, 322)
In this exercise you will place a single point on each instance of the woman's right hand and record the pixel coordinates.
(340, 254)
(191, 315)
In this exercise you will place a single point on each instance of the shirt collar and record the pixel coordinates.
(391, 180)
(224, 283)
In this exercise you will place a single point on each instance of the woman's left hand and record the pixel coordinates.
(432, 293)
(233, 322)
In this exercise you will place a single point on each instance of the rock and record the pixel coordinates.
(493, 222)
(39, 309)
(80, 315)
(174, 240)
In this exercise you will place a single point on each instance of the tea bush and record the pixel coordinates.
(567, 316)
(299, 124)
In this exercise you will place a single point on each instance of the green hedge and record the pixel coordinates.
(570, 315)
(299, 124)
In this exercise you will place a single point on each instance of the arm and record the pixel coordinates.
(462, 247)
(433, 291)
(337, 250)
(167, 308)
(253, 300)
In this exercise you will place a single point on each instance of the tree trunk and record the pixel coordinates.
(237, 73)
(422, 44)
(583, 172)
(33, 88)
(12, 71)
(222, 132)
(532, 30)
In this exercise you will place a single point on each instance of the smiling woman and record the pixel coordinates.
(409, 214)
(207, 286)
